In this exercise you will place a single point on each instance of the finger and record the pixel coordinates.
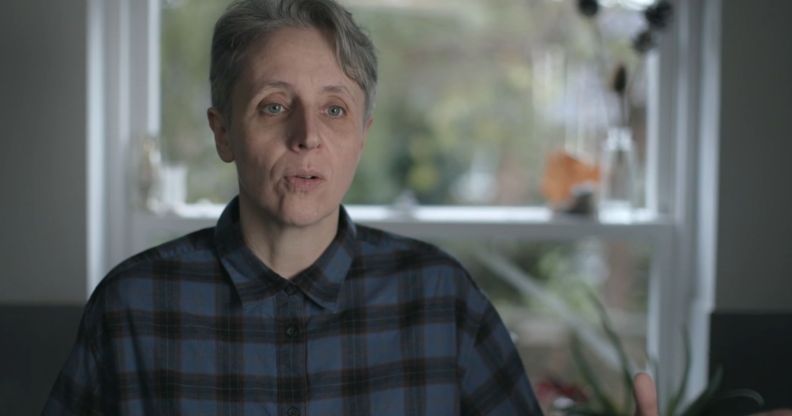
(645, 396)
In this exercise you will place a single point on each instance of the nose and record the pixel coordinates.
(303, 134)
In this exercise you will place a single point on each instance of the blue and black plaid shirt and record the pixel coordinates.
(379, 325)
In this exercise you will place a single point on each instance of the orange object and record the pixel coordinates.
(563, 172)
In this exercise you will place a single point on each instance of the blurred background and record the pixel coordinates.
(107, 153)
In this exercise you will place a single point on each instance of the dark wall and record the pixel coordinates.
(754, 350)
(34, 344)
(751, 328)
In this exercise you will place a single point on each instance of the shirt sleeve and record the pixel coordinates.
(78, 388)
(493, 380)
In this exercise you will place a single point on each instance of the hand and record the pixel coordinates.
(645, 396)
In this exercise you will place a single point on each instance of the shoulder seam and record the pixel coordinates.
(156, 253)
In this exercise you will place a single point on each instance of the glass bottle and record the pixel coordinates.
(618, 191)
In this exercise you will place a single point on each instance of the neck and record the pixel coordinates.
(284, 248)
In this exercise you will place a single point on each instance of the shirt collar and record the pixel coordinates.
(255, 282)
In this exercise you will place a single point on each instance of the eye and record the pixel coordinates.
(336, 111)
(273, 108)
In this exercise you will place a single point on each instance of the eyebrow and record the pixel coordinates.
(272, 84)
(338, 89)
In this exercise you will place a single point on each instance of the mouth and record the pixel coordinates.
(306, 176)
(304, 181)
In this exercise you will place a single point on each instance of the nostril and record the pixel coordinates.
(309, 144)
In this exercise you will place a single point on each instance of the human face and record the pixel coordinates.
(296, 132)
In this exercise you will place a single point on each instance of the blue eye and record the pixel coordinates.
(336, 111)
(273, 108)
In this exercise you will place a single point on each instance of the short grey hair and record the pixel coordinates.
(246, 21)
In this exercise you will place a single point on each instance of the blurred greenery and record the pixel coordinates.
(472, 95)
(186, 35)
(572, 271)
(568, 272)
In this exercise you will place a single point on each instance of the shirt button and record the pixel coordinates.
(292, 331)
(290, 290)
(293, 411)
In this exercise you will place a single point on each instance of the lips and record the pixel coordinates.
(304, 180)
(306, 176)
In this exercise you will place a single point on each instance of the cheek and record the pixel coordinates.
(256, 151)
(350, 158)
(255, 166)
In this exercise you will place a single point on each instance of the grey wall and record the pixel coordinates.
(754, 268)
(43, 158)
(42, 172)
(751, 327)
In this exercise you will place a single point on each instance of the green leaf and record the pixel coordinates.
(588, 375)
(676, 399)
(704, 399)
(613, 337)
(742, 393)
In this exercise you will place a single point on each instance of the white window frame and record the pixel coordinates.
(679, 223)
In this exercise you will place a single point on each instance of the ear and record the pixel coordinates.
(222, 139)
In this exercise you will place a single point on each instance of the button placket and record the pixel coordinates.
(291, 351)
(292, 331)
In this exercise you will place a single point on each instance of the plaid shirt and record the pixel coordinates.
(379, 325)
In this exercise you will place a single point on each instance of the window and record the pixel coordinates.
(474, 95)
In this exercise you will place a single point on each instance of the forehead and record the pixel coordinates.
(293, 39)
(294, 55)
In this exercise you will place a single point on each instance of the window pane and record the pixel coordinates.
(473, 97)
(186, 140)
(543, 293)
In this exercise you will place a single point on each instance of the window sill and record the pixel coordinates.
(524, 223)
(533, 223)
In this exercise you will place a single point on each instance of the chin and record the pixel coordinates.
(307, 214)
(292, 210)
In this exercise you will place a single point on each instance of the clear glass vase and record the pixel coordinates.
(618, 197)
